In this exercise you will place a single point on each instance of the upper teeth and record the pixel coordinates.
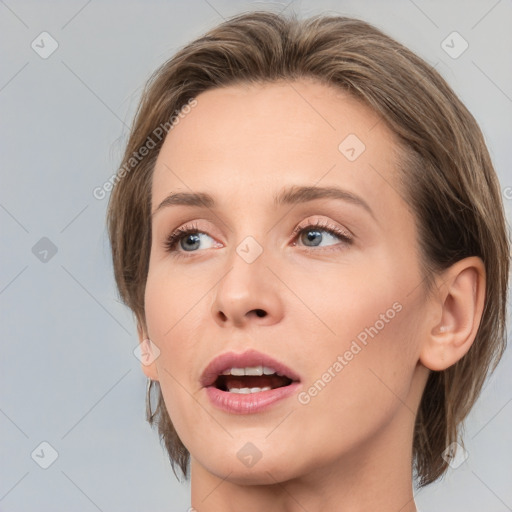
(251, 370)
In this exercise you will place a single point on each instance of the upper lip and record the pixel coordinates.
(246, 359)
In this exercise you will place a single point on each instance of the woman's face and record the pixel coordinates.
(326, 283)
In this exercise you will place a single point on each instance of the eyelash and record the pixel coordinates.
(180, 233)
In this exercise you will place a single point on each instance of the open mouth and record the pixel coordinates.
(248, 373)
(248, 383)
(251, 380)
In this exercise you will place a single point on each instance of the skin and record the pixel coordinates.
(349, 448)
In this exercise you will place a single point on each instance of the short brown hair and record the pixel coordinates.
(446, 171)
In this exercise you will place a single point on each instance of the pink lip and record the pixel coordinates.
(246, 403)
(250, 403)
(248, 358)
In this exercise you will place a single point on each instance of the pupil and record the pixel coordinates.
(312, 235)
(194, 238)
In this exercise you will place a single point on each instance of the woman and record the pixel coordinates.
(309, 230)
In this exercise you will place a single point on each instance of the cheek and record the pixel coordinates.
(373, 367)
(175, 305)
(161, 306)
(171, 319)
(367, 366)
(171, 299)
(172, 310)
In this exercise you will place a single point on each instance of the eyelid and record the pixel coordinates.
(343, 234)
(174, 237)
(324, 225)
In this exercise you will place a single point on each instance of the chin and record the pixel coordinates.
(264, 472)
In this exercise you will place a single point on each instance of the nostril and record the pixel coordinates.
(260, 312)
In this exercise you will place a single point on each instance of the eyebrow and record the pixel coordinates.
(288, 196)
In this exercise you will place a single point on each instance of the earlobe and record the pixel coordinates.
(459, 302)
(149, 353)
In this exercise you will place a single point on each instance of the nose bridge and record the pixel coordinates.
(247, 291)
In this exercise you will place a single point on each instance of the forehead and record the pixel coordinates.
(254, 139)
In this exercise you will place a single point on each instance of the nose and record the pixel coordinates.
(247, 294)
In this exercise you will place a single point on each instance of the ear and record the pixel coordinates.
(458, 307)
(149, 352)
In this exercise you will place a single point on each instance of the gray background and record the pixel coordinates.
(68, 374)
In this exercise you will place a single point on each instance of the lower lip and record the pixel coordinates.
(250, 403)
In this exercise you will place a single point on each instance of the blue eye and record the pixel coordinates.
(314, 235)
(189, 237)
